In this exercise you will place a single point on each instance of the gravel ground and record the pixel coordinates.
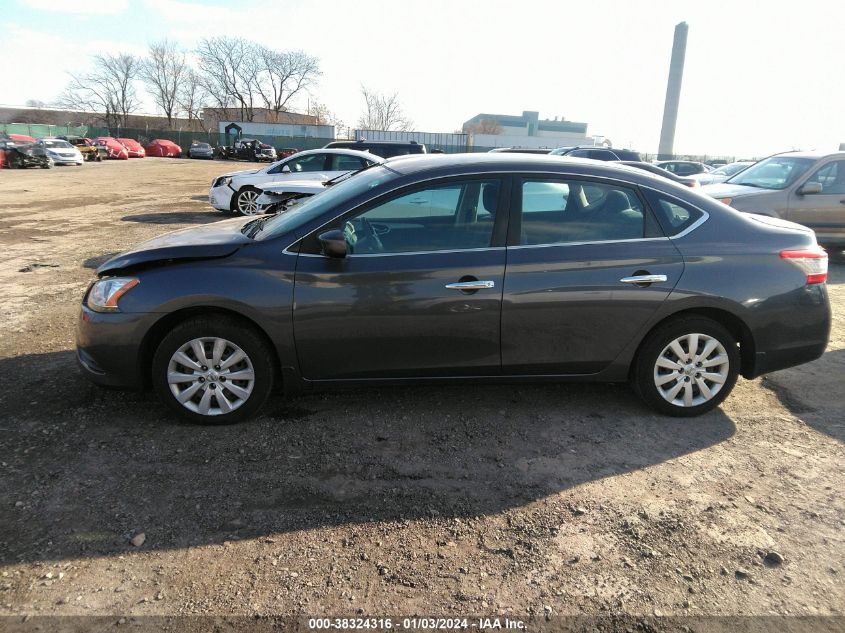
(526, 501)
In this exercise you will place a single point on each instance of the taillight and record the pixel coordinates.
(813, 261)
(693, 183)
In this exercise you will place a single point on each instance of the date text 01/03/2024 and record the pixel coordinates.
(481, 624)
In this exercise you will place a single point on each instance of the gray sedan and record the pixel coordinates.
(201, 150)
(475, 267)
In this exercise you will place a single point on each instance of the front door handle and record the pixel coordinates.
(644, 279)
(471, 285)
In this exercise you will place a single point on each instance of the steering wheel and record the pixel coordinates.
(372, 234)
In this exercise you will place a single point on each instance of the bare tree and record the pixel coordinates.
(108, 88)
(228, 70)
(282, 75)
(163, 72)
(35, 103)
(323, 115)
(240, 75)
(191, 97)
(382, 112)
(484, 126)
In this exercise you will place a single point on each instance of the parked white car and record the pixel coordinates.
(238, 191)
(721, 174)
(60, 152)
(276, 197)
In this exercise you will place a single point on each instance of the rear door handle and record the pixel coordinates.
(644, 279)
(471, 285)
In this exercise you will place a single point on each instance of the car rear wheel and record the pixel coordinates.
(686, 367)
(213, 371)
(246, 201)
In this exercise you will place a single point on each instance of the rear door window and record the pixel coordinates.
(573, 211)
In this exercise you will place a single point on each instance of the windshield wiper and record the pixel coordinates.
(749, 184)
(253, 227)
(349, 174)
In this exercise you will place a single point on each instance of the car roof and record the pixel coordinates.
(501, 161)
(366, 142)
(336, 150)
(811, 154)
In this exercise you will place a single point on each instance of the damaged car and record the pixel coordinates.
(86, 147)
(20, 155)
(498, 268)
(248, 149)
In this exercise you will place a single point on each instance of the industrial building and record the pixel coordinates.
(527, 130)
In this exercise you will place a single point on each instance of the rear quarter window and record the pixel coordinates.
(674, 215)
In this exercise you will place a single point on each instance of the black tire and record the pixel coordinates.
(643, 376)
(835, 252)
(251, 342)
(237, 199)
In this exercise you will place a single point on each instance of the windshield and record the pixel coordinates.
(52, 143)
(777, 172)
(316, 205)
(729, 170)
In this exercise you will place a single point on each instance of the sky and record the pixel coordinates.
(760, 76)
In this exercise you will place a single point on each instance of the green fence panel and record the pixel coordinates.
(42, 131)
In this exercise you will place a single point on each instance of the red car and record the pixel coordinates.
(135, 149)
(113, 147)
(18, 138)
(21, 138)
(163, 148)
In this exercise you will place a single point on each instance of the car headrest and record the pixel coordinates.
(490, 197)
(616, 202)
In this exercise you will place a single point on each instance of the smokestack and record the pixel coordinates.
(673, 92)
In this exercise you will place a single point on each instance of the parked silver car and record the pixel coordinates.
(804, 187)
(721, 174)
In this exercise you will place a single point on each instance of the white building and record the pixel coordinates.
(528, 130)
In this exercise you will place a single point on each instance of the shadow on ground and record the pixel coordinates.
(86, 468)
(98, 260)
(177, 217)
(819, 383)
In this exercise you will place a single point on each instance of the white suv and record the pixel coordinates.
(238, 191)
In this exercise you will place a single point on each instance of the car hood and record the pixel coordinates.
(218, 239)
(243, 172)
(728, 190)
(293, 186)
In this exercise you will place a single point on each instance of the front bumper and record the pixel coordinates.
(108, 347)
(221, 197)
(67, 160)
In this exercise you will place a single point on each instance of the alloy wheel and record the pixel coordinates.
(691, 370)
(210, 376)
(248, 202)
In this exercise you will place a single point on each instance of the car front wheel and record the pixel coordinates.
(686, 367)
(246, 201)
(213, 371)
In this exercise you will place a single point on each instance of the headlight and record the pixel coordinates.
(105, 293)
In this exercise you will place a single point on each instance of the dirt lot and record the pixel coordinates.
(485, 500)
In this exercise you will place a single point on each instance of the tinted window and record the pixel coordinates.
(563, 211)
(458, 215)
(831, 177)
(580, 153)
(342, 162)
(602, 154)
(673, 215)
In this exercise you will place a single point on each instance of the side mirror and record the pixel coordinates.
(333, 243)
(285, 169)
(810, 188)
